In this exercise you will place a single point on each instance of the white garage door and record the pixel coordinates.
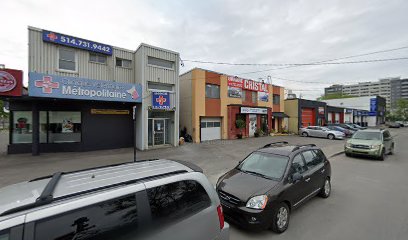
(210, 129)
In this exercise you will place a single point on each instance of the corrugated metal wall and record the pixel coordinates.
(157, 74)
(43, 57)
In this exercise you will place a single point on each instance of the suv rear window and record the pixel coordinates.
(177, 201)
(105, 220)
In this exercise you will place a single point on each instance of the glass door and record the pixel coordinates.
(159, 131)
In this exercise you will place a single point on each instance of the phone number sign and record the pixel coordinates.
(75, 42)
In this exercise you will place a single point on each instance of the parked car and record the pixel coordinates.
(347, 132)
(316, 131)
(371, 142)
(356, 126)
(264, 188)
(401, 123)
(151, 199)
(348, 126)
(393, 125)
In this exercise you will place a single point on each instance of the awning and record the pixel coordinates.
(279, 115)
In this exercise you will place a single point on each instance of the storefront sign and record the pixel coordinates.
(11, 82)
(75, 42)
(235, 86)
(321, 110)
(254, 110)
(349, 110)
(160, 100)
(109, 112)
(53, 86)
(263, 96)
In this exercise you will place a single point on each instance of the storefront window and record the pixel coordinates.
(212, 91)
(254, 96)
(22, 127)
(243, 95)
(64, 127)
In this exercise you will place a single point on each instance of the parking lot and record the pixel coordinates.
(368, 201)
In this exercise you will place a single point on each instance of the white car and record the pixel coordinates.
(323, 132)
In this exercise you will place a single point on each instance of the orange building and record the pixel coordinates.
(211, 103)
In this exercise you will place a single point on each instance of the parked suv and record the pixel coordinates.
(264, 188)
(370, 142)
(150, 199)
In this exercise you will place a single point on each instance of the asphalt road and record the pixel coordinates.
(369, 201)
(369, 198)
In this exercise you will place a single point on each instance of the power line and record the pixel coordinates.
(334, 59)
(298, 64)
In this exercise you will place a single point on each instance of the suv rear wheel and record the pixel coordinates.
(281, 216)
(326, 189)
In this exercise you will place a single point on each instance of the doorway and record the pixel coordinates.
(158, 131)
(252, 125)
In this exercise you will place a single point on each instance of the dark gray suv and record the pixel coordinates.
(151, 199)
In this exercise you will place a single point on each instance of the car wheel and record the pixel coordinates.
(382, 155)
(305, 134)
(330, 136)
(326, 189)
(391, 150)
(281, 216)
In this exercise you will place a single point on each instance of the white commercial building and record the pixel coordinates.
(374, 106)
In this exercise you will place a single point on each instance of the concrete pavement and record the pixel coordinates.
(214, 157)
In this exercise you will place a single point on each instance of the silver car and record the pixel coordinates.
(323, 132)
(151, 199)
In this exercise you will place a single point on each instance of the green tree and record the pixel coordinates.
(402, 110)
(3, 114)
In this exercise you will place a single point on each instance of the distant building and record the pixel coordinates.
(334, 89)
(370, 109)
(391, 89)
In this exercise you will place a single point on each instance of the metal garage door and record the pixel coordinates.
(210, 129)
(308, 117)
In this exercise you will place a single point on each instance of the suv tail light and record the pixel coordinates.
(220, 216)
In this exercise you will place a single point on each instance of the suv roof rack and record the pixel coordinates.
(46, 196)
(303, 145)
(274, 143)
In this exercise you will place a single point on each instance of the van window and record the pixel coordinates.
(105, 220)
(177, 201)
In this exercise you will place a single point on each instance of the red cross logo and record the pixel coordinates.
(161, 100)
(46, 84)
(52, 36)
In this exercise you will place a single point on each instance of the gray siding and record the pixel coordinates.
(43, 57)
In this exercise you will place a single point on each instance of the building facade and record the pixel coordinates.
(391, 89)
(369, 110)
(83, 95)
(304, 113)
(211, 103)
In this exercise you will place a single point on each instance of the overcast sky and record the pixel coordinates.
(285, 31)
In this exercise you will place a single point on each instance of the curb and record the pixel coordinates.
(336, 154)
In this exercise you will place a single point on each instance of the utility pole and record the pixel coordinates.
(134, 133)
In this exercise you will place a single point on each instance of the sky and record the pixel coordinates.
(232, 31)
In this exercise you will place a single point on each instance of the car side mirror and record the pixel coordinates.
(296, 177)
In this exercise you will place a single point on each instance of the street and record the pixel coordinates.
(368, 200)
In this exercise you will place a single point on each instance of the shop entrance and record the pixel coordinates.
(158, 131)
(252, 125)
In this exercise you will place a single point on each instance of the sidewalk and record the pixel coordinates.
(214, 157)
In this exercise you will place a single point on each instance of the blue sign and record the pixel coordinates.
(75, 42)
(161, 100)
(373, 104)
(349, 110)
(54, 86)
